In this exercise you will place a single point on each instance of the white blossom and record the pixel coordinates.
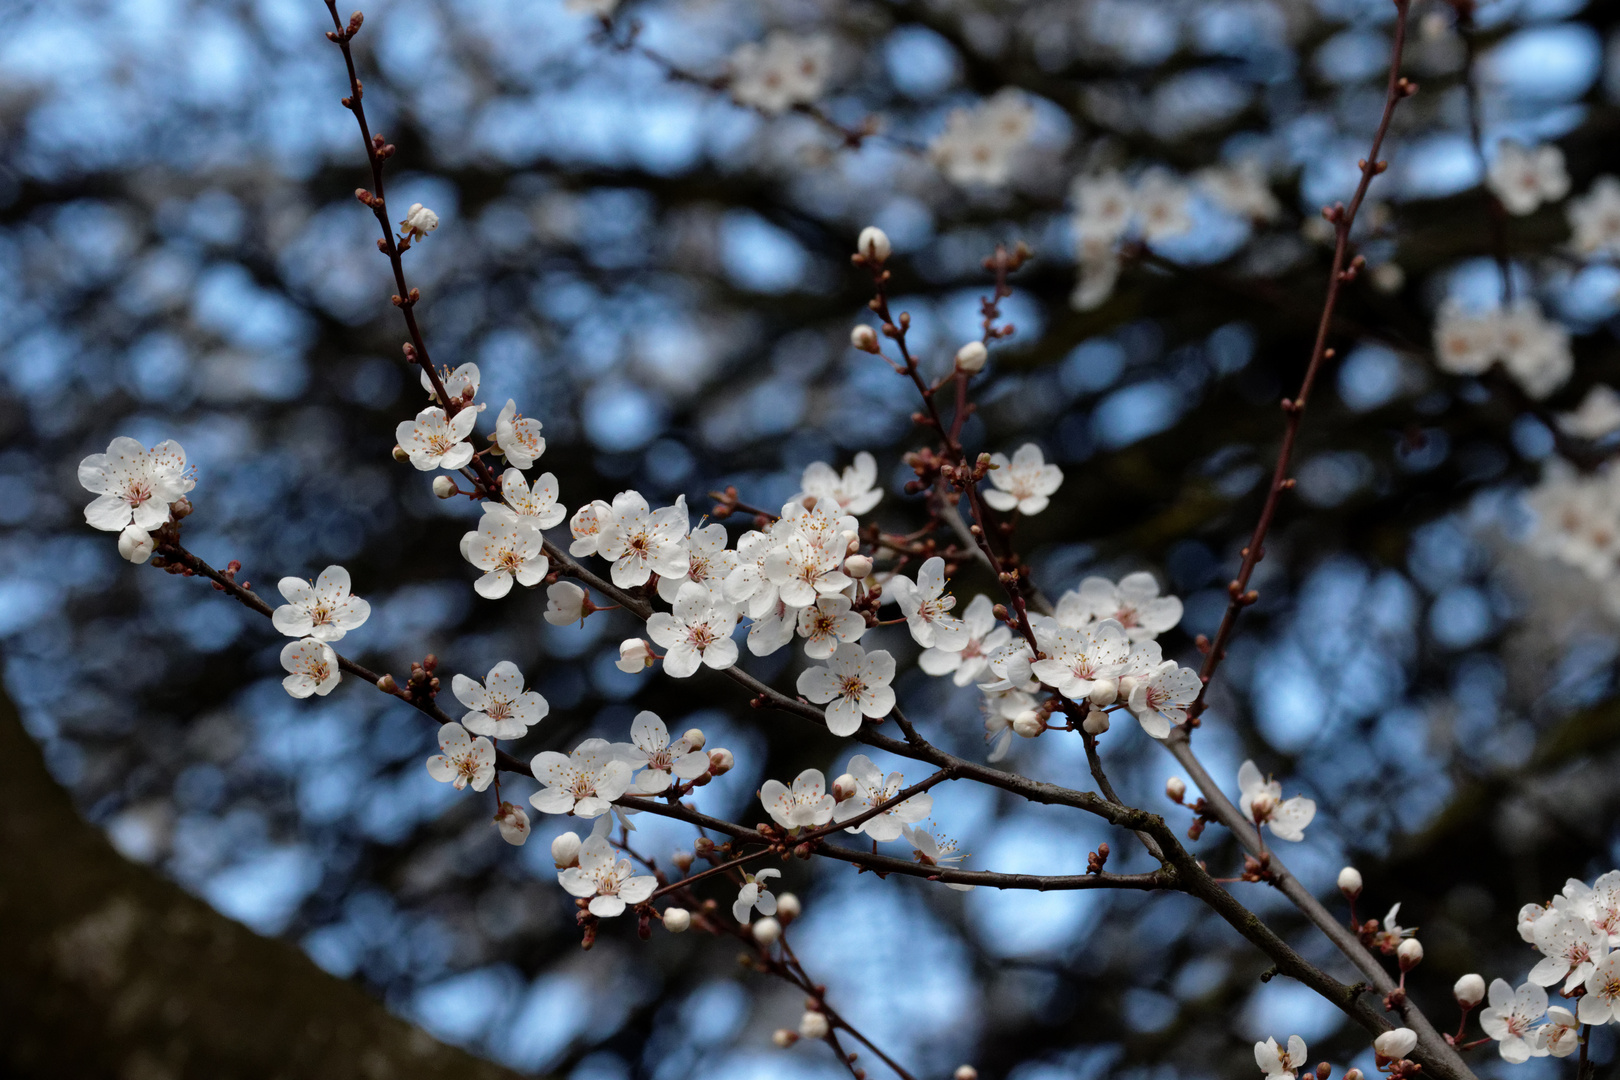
(1241, 188)
(697, 632)
(806, 804)
(1162, 697)
(873, 789)
(1511, 1019)
(1570, 948)
(634, 656)
(1594, 218)
(1081, 657)
(536, 507)
(610, 881)
(1001, 708)
(926, 605)
(463, 761)
(979, 145)
(853, 491)
(1597, 416)
(660, 761)
(583, 783)
(1134, 603)
(984, 636)
(753, 895)
(506, 551)
(1275, 1060)
(1026, 483)
(461, 384)
(855, 682)
(827, 623)
(499, 706)
(518, 436)
(435, 441)
(1525, 177)
(708, 564)
(134, 485)
(802, 570)
(642, 542)
(769, 632)
(325, 609)
(419, 221)
(513, 824)
(1395, 1043)
(1533, 349)
(586, 528)
(1262, 803)
(1161, 205)
(314, 668)
(1560, 1035)
(1103, 204)
(783, 72)
(565, 603)
(748, 585)
(135, 544)
(934, 850)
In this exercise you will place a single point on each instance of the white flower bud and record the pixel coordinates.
(1028, 724)
(683, 860)
(135, 544)
(1469, 990)
(444, 487)
(873, 243)
(766, 931)
(1396, 1043)
(1095, 723)
(694, 738)
(864, 338)
(1409, 953)
(677, 919)
(788, 908)
(634, 656)
(513, 824)
(565, 603)
(784, 1038)
(565, 850)
(965, 1072)
(970, 358)
(721, 761)
(843, 788)
(858, 567)
(400, 453)
(1350, 882)
(1175, 788)
(813, 1025)
(1126, 686)
(1104, 692)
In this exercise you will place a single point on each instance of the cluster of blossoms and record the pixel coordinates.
(979, 145)
(1525, 177)
(783, 72)
(1109, 208)
(317, 613)
(1534, 350)
(137, 492)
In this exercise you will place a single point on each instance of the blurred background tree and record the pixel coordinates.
(661, 276)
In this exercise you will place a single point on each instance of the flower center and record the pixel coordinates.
(499, 710)
(137, 492)
(851, 687)
(700, 636)
(583, 786)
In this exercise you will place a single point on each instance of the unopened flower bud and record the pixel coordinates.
(873, 243)
(787, 908)
(1095, 723)
(965, 1072)
(1469, 990)
(1355, 1074)
(694, 738)
(1126, 684)
(864, 338)
(1409, 953)
(677, 919)
(400, 453)
(813, 1025)
(784, 1038)
(135, 544)
(1395, 1044)
(721, 762)
(1350, 882)
(766, 931)
(1175, 788)
(858, 567)
(387, 685)
(970, 358)
(1323, 1070)
(181, 508)
(1028, 724)
(1103, 692)
(444, 487)
(513, 824)
(843, 788)
(634, 656)
(565, 850)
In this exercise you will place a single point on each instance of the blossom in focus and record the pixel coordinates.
(586, 528)
(984, 636)
(324, 609)
(1395, 1043)
(610, 882)
(135, 544)
(708, 563)
(436, 441)
(1601, 1002)
(1525, 177)
(1560, 1035)
(926, 604)
(642, 542)
(313, 666)
(854, 491)
(506, 551)
(583, 783)
(872, 789)
(500, 707)
(133, 485)
(634, 656)
(661, 762)
(536, 507)
(827, 623)
(565, 603)
(934, 850)
(1081, 657)
(1001, 708)
(854, 683)
(979, 145)
(419, 221)
(695, 633)
(1134, 603)
(1276, 1060)
(1262, 803)
(803, 805)
(753, 895)
(1162, 698)
(1026, 483)
(461, 384)
(1511, 1018)
(783, 72)
(518, 436)
(463, 761)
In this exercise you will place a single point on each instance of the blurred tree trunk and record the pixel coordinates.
(113, 971)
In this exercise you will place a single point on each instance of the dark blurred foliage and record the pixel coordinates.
(662, 278)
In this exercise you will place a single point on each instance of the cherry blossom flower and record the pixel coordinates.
(697, 632)
(1011, 664)
(748, 585)
(873, 789)
(314, 668)
(802, 570)
(536, 507)
(1395, 1044)
(1525, 177)
(984, 636)
(583, 783)
(1103, 206)
(324, 610)
(1081, 657)
(500, 707)
(934, 850)
(1278, 1061)
(610, 881)
(1597, 416)
(419, 221)
(1262, 803)
(1560, 1035)
(853, 491)
(513, 824)
(804, 805)
(783, 72)
(856, 683)
(134, 485)
(1594, 218)
(642, 542)
(518, 436)
(435, 441)
(753, 895)
(1001, 708)
(1134, 603)
(586, 528)
(773, 630)
(708, 564)
(1241, 189)
(135, 544)
(1161, 205)
(978, 145)
(1529, 916)
(1570, 946)
(925, 604)
(1464, 344)
(1026, 483)
(1598, 902)
(565, 603)
(463, 761)
(1388, 939)
(505, 551)
(1511, 1019)
(461, 384)
(827, 623)
(1535, 351)
(634, 656)
(1162, 697)
(660, 760)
